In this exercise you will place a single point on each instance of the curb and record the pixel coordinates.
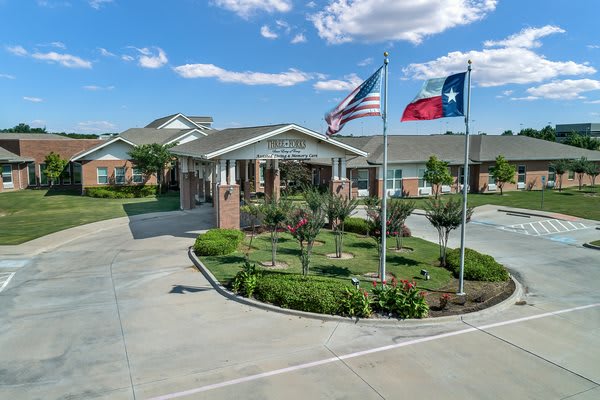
(591, 246)
(517, 294)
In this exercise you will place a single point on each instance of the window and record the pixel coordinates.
(521, 172)
(102, 174)
(31, 181)
(316, 176)
(261, 172)
(422, 182)
(362, 179)
(120, 175)
(43, 177)
(551, 174)
(571, 175)
(137, 176)
(461, 175)
(491, 179)
(65, 177)
(394, 179)
(7, 176)
(77, 173)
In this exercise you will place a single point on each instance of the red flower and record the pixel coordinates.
(374, 284)
(384, 282)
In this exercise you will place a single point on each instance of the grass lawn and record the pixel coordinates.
(596, 243)
(29, 214)
(584, 204)
(405, 265)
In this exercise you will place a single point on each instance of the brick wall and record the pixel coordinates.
(90, 172)
(228, 212)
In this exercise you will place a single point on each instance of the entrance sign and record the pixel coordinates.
(286, 149)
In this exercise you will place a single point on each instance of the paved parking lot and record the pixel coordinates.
(119, 314)
(546, 227)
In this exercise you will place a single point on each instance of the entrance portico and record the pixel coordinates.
(222, 164)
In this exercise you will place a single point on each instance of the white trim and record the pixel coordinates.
(177, 116)
(281, 130)
(98, 176)
(186, 134)
(93, 149)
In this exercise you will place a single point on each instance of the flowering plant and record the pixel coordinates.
(444, 300)
(401, 299)
(356, 303)
(304, 226)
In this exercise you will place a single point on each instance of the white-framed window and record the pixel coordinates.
(7, 176)
(120, 175)
(551, 174)
(137, 176)
(521, 173)
(102, 175)
(31, 177)
(43, 176)
(394, 179)
(422, 182)
(362, 179)
(491, 179)
(261, 172)
(65, 177)
(76, 173)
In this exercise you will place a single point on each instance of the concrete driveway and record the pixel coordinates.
(114, 310)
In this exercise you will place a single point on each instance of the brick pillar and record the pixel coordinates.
(228, 210)
(340, 188)
(276, 180)
(247, 191)
(188, 184)
(268, 180)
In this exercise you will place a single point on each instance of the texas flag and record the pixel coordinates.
(438, 98)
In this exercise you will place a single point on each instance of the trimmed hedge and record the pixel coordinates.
(478, 267)
(218, 242)
(311, 294)
(356, 225)
(121, 192)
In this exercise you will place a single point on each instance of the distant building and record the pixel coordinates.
(585, 129)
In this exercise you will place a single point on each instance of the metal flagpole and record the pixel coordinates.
(461, 291)
(385, 151)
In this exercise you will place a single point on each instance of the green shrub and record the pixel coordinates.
(356, 303)
(312, 294)
(356, 225)
(478, 267)
(217, 242)
(402, 300)
(245, 281)
(121, 192)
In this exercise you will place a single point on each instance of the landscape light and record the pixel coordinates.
(425, 274)
(355, 282)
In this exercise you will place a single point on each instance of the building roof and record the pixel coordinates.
(158, 122)
(141, 136)
(515, 148)
(32, 136)
(201, 120)
(7, 156)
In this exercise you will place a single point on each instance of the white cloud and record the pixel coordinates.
(59, 45)
(283, 25)
(290, 78)
(246, 8)
(95, 126)
(53, 4)
(593, 46)
(507, 92)
(66, 60)
(592, 102)
(567, 89)
(33, 99)
(499, 66)
(97, 4)
(527, 38)
(38, 123)
(17, 50)
(365, 62)
(105, 52)
(96, 88)
(7, 76)
(149, 59)
(299, 38)
(311, 4)
(382, 20)
(267, 33)
(127, 58)
(527, 98)
(349, 83)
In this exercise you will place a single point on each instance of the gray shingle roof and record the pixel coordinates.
(7, 156)
(515, 148)
(158, 122)
(201, 120)
(141, 136)
(222, 139)
(32, 136)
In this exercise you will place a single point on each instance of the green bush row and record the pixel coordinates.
(121, 192)
(356, 225)
(478, 267)
(217, 242)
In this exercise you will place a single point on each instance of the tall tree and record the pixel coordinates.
(507, 133)
(503, 172)
(438, 174)
(55, 165)
(580, 167)
(153, 159)
(548, 133)
(560, 168)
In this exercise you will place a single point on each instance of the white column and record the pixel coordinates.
(343, 168)
(232, 169)
(183, 162)
(276, 166)
(222, 172)
(334, 169)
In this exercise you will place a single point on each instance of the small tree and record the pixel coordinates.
(560, 168)
(305, 225)
(153, 158)
(338, 210)
(275, 214)
(437, 174)
(296, 172)
(253, 213)
(593, 171)
(372, 205)
(580, 167)
(55, 165)
(503, 172)
(445, 217)
(399, 211)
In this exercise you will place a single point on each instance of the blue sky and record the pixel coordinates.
(108, 65)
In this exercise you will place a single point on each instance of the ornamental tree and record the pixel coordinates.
(304, 225)
(593, 171)
(503, 172)
(399, 211)
(560, 168)
(445, 217)
(437, 174)
(275, 213)
(338, 210)
(153, 158)
(55, 165)
(580, 167)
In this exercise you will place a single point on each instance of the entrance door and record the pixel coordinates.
(7, 176)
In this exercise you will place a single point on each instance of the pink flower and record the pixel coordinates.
(374, 284)
(384, 282)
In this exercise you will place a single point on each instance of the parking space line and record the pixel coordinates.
(7, 277)
(542, 225)
(536, 231)
(561, 224)
(550, 222)
(573, 225)
(317, 363)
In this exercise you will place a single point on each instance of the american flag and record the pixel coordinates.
(364, 101)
